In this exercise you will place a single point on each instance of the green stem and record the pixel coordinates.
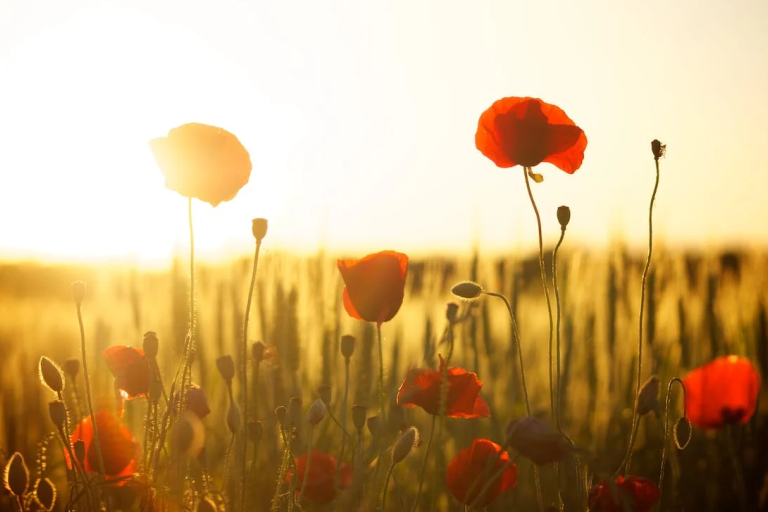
(244, 376)
(635, 418)
(88, 396)
(557, 357)
(382, 398)
(424, 463)
(306, 469)
(337, 476)
(666, 431)
(386, 486)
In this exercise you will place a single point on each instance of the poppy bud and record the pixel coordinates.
(188, 435)
(79, 448)
(50, 375)
(316, 412)
(197, 401)
(259, 229)
(150, 344)
(358, 416)
(347, 345)
(16, 475)
(535, 439)
(682, 433)
(78, 292)
(58, 414)
(45, 494)
(658, 149)
(451, 311)
(206, 505)
(563, 216)
(294, 411)
(282, 416)
(233, 417)
(648, 399)
(324, 391)
(467, 290)
(72, 368)
(375, 425)
(255, 431)
(226, 367)
(404, 444)
(257, 352)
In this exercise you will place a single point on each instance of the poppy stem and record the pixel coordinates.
(424, 463)
(733, 454)
(337, 476)
(666, 431)
(489, 483)
(88, 396)
(386, 486)
(557, 331)
(244, 377)
(306, 470)
(635, 416)
(382, 399)
(546, 291)
(281, 475)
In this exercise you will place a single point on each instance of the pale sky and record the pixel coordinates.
(360, 118)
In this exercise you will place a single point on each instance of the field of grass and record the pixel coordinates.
(699, 306)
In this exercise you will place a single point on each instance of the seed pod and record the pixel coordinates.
(257, 351)
(72, 368)
(226, 367)
(451, 312)
(50, 375)
(324, 390)
(45, 494)
(467, 290)
(347, 345)
(150, 344)
(282, 416)
(563, 216)
(58, 413)
(78, 292)
(316, 412)
(259, 229)
(16, 475)
(404, 444)
(658, 149)
(358, 416)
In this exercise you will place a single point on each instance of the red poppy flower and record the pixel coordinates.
(375, 285)
(535, 439)
(422, 387)
(119, 449)
(633, 493)
(721, 392)
(480, 462)
(130, 369)
(528, 131)
(202, 161)
(320, 486)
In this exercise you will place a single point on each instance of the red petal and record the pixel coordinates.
(351, 311)
(375, 285)
(118, 357)
(468, 472)
(320, 486)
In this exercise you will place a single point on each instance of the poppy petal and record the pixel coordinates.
(375, 285)
(349, 307)
(469, 470)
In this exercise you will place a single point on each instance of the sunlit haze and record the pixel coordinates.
(360, 121)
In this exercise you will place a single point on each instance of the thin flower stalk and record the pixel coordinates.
(491, 481)
(382, 398)
(343, 424)
(666, 430)
(424, 463)
(306, 470)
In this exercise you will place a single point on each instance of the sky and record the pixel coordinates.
(360, 119)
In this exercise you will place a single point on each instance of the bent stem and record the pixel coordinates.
(424, 463)
(666, 431)
(244, 376)
(88, 396)
(635, 418)
(386, 486)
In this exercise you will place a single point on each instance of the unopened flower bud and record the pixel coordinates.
(658, 148)
(259, 229)
(374, 425)
(78, 292)
(347, 345)
(197, 401)
(72, 368)
(324, 390)
(563, 216)
(16, 475)
(358, 416)
(648, 399)
(79, 449)
(45, 494)
(467, 290)
(226, 367)
(451, 311)
(150, 344)
(50, 375)
(316, 412)
(257, 352)
(535, 439)
(294, 411)
(404, 444)
(188, 435)
(282, 416)
(255, 431)
(58, 413)
(682, 433)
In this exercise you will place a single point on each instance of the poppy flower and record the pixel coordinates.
(202, 161)
(721, 392)
(535, 439)
(422, 387)
(119, 449)
(633, 493)
(130, 369)
(480, 462)
(527, 131)
(320, 486)
(375, 285)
